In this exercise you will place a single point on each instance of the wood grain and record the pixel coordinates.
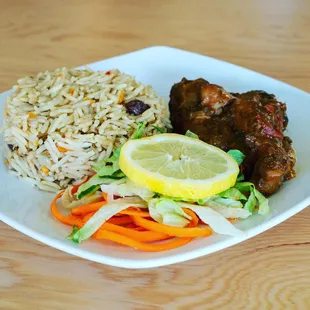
(270, 271)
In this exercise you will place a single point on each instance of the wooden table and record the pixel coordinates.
(270, 271)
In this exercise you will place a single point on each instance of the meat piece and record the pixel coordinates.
(214, 98)
(192, 105)
(259, 113)
(261, 119)
(252, 122)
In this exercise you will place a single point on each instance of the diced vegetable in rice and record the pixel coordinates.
(59, 123)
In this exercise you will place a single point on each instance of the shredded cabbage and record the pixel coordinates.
(125, 187)
(233, 193)
(214, 219)
(229, 212)
(168, 212)
(102, 215)
(255, 196)
(227, 202)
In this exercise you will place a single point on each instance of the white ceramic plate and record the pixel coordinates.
(27, 209)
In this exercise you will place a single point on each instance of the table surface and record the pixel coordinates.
(270, 271)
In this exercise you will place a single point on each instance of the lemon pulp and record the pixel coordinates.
(178, 166)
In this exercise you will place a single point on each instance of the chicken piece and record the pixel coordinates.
(252, 122)
(259, 113)
(193, 104)
(261, 119)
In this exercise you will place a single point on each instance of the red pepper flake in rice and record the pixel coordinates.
(108, 73)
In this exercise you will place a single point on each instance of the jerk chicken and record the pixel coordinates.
(252, 122)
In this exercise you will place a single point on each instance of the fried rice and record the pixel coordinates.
(59, 123)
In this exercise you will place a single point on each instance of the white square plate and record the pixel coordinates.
(27, 209)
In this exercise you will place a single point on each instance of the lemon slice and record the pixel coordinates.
(178, 166)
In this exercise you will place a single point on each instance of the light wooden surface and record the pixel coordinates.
(270, 271)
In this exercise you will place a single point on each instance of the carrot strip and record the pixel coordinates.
(116, 221)
(91, 207)
(195, 219)
(137, 228)
(69, 219)
(112, 236)
(88, 216)
(105, 196)
(142, 236)
(135, 213)
(170, 230)
(124, 220)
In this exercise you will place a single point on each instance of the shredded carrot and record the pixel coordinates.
(143, 236)
(172, 231)
(69, 219)
(91, 207)
(62, 149)
(123, 220)
(71, 91)
(135, 213)
(195, 219)
(137, 228)
(60, 75)
(132, 226)
(105, 196)
(118, 238)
